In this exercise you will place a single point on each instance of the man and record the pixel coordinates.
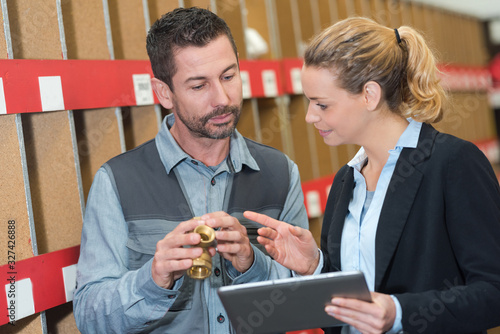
(136, 245)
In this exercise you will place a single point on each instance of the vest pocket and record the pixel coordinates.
(143, 235)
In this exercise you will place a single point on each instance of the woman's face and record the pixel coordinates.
(339, 116)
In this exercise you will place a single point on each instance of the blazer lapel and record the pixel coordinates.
(399, 199)
(338, 220)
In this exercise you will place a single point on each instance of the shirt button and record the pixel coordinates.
(213, 182)
(221, 319)
(217, 272)
(194, 162)
(171, 296)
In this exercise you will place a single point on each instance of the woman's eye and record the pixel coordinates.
(321, 106)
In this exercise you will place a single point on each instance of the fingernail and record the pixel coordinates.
(330, 310)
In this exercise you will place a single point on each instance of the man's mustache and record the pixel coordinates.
(220, 111)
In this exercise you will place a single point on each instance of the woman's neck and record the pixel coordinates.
(378, 146)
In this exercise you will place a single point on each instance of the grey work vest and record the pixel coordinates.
(153, 203)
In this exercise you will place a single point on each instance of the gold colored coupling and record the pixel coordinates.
(202, 266)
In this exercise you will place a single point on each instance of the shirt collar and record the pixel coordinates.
(409, 138)
(171, 154)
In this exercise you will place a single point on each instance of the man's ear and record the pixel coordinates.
(163, 93)
(372, 93)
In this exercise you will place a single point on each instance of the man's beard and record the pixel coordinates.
(198, 126)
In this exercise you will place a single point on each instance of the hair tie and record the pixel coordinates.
(397, 36)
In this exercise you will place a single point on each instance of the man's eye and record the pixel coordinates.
(198, 87)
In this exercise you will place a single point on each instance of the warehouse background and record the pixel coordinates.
(49, 154)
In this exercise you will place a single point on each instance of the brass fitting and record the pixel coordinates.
(202, 266)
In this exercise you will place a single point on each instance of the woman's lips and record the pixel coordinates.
(324, 133)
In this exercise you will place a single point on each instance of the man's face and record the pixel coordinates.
(207, 93)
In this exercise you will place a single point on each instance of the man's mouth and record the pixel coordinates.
(221, 119)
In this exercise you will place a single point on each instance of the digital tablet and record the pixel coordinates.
(289, 304)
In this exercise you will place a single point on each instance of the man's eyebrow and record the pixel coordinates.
(230, 67)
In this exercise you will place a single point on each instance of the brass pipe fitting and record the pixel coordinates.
(202, 266)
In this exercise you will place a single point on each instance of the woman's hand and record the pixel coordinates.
(291, 246)
(367, 317)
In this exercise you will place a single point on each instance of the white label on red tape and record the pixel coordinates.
(20, 303)
(69, 276)
(142, 89)
(245, 84)
(3, 107)
(270, 83)
(51, 93)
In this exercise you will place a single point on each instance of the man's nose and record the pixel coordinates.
(220, 95)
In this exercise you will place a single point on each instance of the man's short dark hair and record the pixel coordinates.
(178, 29)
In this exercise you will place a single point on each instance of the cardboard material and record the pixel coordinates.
(128, 29)
(159, 7)
(12, 195)
(270, 123)
(84, 29)
(3, 43)
(140, 125)
(53, 180)
(230, 11)
(259, 22)
(28, 18)
(98, 140)
(285, 28)
(306, 157)
(246, 125)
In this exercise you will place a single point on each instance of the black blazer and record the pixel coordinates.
(438, 237)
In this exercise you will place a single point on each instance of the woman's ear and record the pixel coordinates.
(372, 93)
(163, 93)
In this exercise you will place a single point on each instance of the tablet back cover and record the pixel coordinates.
(289, 304)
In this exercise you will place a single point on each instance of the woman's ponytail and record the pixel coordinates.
(423, 95)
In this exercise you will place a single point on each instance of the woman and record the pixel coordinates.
(416, 210)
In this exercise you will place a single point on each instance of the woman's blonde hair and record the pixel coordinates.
(358, 50)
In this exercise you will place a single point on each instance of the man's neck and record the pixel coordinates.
(209, 151)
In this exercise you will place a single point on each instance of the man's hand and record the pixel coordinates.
(171, 259)
(375, 317)
(232, 239)
(291, 246)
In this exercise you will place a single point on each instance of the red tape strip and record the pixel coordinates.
(45, 272)
(86, 84)
(91, 84)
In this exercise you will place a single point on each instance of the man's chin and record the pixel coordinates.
(222, 131)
